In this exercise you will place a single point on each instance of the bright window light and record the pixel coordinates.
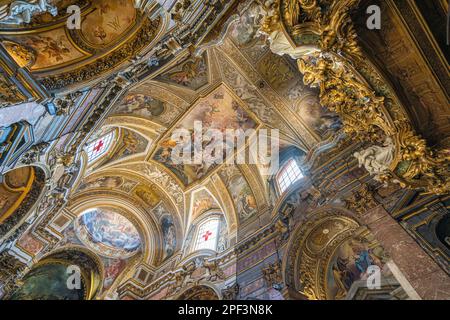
(207, 235)
(99, 147)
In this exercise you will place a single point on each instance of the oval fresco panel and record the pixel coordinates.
(108, 233)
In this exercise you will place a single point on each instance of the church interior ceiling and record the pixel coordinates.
(89, 123)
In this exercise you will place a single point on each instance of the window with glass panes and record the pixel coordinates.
(207, 235)
(99, 147)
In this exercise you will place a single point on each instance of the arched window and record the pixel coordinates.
(98, 148)
(288, 175)
(208, 234)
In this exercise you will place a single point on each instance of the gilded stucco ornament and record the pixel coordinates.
(321, 36)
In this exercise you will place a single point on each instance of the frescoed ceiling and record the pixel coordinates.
(191, 73)
(237, 84)
(203, 201)
(220, 110)
(106, 107)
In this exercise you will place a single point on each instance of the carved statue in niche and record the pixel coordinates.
(377, 159)
(22, 11)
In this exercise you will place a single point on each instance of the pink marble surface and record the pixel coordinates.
(425, 276)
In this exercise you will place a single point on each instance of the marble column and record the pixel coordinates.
(419, 270)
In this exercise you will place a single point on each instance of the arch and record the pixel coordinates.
(146, 225)
(152, 174)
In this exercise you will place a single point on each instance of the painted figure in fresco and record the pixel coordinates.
(248, 205)
(22, 11)
(223, 235)
(111, 229)
(112, 270)
(52, 49)
(245, 31)
(192, 74)
(143, 105)
(352, 262)
(132, 143)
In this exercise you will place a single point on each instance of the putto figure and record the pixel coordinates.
(21, 12)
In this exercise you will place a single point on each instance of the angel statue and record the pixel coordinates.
(22, 11)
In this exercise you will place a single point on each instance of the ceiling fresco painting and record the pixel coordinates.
(202, 202)
(243, 198)
(147, 194)
(131, 143)
(109, 182)
(192, 73)
(220, 111)
(30, 244)
(323, 122)
(50, 49)
(141, 105)
(108, 233)
(108, 21)
(92, 120)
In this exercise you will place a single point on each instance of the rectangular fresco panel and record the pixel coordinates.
(51, 48)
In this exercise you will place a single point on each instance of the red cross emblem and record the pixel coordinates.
(98, 146)
(206, 235)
